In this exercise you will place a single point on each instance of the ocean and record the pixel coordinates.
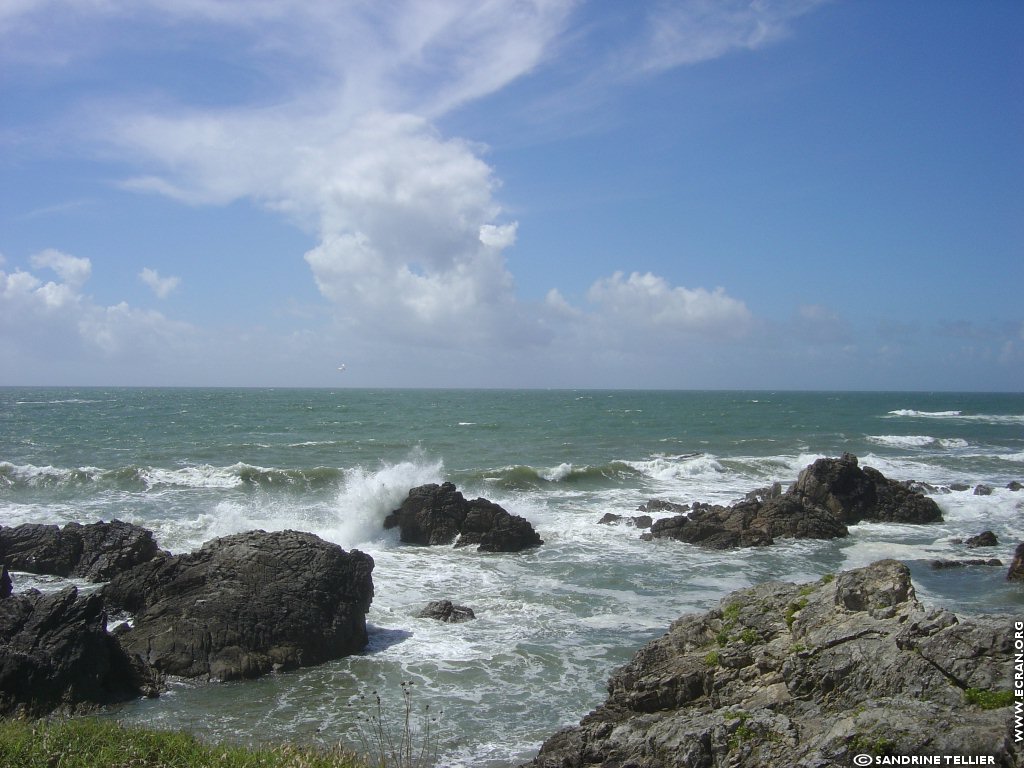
(552, 623)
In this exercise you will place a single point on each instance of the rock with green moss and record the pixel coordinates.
(806, 676)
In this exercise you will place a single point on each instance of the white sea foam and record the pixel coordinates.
(198, 476)
(907, 412)
(678, 467)
(558, 473)
(903, 441)
(985, 418)
(366, 497)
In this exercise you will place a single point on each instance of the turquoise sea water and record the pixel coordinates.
(192, 464)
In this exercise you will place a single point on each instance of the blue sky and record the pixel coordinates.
(525, 193)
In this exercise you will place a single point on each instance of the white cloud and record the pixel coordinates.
(682, 32)
(71, 269)
(41, 318)
(646, 301)
(411, 237)
(162, 286)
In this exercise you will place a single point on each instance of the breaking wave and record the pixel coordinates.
(135, 478)
(984, 418)
(523, 477)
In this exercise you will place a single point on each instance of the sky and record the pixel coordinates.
(686, 194)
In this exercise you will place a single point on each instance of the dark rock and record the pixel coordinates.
(750, 524)
(1016, 572)
(660, 505)
(854, 494)
(245, 605)
(96, 552)
(983, 539)
(806, 676)
(493, 529)
(982, 490)
(943, 564)
(1013, 485)
(638, 521)
(772, 491)
(446, 611)
(430, 514)
(55, 653)
(6, 585)
(827, 496)
(959, 487)
(440, 514)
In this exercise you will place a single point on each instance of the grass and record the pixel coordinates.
(99, 743)
(408, 741)
(989, 699)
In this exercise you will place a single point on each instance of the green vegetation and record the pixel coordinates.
(989, 699)
(712, 659)
(828, 578)
(871, 745)
(793, 609)
(731, 613)
(98, 743)
(749, 636)
(742, 733)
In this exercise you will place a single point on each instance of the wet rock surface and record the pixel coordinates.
(97, 551)
(56, 654)
(807, 675)
(828, 495)
(439, 514)
(245, 605)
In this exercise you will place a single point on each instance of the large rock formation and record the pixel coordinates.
(247, 604)
(855, 494)
(808, 675)
(55, 653)
(827, 496)
(440, 514)
(96, 552)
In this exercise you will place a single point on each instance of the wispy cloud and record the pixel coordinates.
(689, 32)
(161, 286)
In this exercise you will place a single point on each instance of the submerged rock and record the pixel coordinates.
(827, 496)
(56, 653)
(440, 514)
(96, 552)
(446, 611)
(808, 675)
(983, 539)
(637, 521)
(946, 564)
(245, 605)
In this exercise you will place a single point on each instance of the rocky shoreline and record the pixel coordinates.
(810, 675)
(781, 674)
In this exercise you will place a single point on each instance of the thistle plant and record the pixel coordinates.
(407, 741)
